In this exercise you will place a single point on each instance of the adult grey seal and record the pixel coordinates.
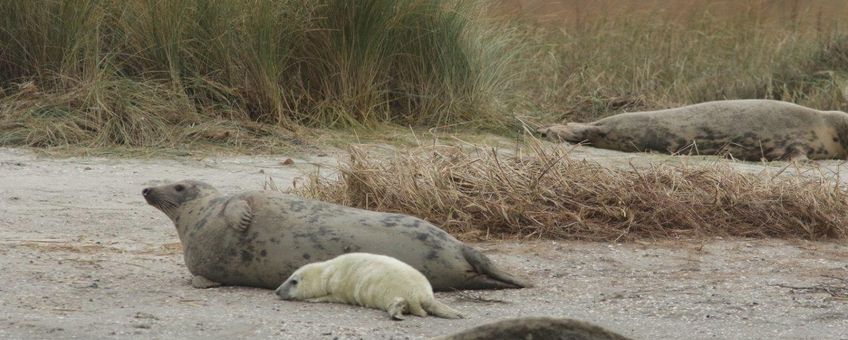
(750, 130)
(260, 238)
(535, 328)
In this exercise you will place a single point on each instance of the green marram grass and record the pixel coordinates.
(137, 73)
(239, 72)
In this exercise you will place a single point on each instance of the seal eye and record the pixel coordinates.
(179, 187)
(294, 282)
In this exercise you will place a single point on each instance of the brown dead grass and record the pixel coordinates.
(541, 192)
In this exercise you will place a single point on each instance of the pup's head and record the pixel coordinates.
(304, 283)
(169, 198)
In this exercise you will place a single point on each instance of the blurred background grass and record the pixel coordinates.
(164, 73)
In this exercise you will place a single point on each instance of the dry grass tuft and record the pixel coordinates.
(541, 192)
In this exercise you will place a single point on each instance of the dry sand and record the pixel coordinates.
(82, 256)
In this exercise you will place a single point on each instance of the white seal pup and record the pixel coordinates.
(369, 280)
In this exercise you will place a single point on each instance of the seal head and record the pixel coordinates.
(169, 198)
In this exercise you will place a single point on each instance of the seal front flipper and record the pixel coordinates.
(238, 214)
(201, 282)
(325, 299)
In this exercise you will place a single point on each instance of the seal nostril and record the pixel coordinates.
(145, 191)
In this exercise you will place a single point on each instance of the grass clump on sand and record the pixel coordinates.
(146, 73)
(540, 192)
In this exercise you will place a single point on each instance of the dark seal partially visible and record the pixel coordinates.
(535, 328)
(260, 238)
(750, 130)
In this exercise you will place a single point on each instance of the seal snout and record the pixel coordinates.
(148, 195)
(282, 293)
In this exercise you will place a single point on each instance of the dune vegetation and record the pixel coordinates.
(540, 192)
(161, 72)
(167, 72)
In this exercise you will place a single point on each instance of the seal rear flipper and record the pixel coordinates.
(238, 214)
(490, 276)
(396, 309)
(441, 310)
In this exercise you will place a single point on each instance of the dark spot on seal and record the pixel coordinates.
(246, 256)
(316, 237)
(439, 234)
(433, 255)
(306, 256)
(297, 206)
(392, 220)
(414, 224)
(201, 222)
(422, 236)
(274, 240)
(314, 219)
(263, 253)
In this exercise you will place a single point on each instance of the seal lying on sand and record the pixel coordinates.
(535, 328)
(259, 238)
(746, 129)
(369, 280)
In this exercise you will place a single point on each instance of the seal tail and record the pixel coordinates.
(441, 310)
(490, 277)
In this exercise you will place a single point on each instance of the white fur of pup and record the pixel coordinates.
(369, 280)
